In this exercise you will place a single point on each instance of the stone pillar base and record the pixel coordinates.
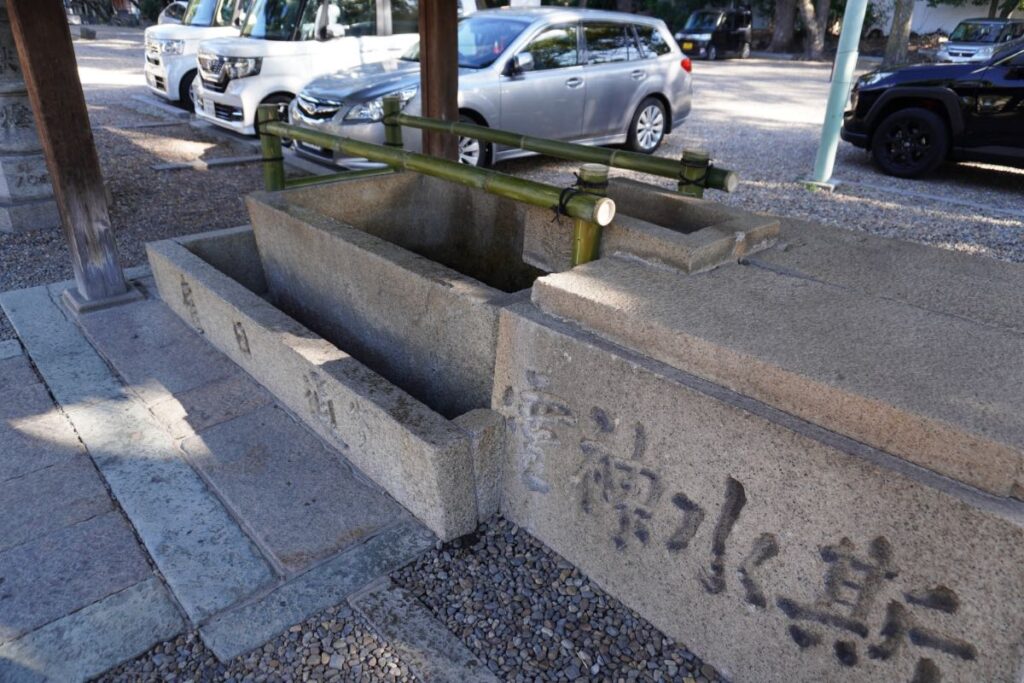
(24, 216)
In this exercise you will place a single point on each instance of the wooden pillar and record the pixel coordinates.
(439, 72)
(48, 63)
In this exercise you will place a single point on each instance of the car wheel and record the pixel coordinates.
(745, 52)
(910, 143)
(712, 53)
(473, 152)
(185, 98)
(647, 129)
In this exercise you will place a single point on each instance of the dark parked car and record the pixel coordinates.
(914, 118)
(715, 33)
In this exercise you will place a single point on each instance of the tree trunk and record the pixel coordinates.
(993, 8)
(899, 34)
(814, 41)
(1008, 7)
(822, 9)
(624, 5)
(785, 17)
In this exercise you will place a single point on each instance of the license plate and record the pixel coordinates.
(208, 108)
(687, 46)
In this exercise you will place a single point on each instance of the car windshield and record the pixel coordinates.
(967, 32)
(273, 19)
(481, 40)
(200, 12)
(702, 21)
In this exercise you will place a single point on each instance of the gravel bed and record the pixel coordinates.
(335, 645)
(532, 616)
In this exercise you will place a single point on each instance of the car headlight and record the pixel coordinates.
(984, 52)
(172, 47)
(702, 37)
(240, 67)
(374, 109)
(872, 78)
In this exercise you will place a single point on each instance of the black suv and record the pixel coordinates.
(914, 118)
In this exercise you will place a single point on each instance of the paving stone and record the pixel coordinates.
(422, 641)
(10, 348)
(207, 560)
(154, 351)
(243, 628)
(25, 403)
(61, 572)
(90, 641)
(15, 372)
(72, 369)
(296, 495)
(190, 412)
(49, 499)
(31, 444)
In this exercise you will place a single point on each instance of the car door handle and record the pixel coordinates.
(574, 82)
(638, 75)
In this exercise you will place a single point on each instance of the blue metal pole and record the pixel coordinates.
(842, 79)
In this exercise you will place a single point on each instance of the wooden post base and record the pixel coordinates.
(78, 305)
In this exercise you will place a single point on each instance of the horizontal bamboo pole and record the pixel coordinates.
(717, 178)
(600, 210)
(331, 177)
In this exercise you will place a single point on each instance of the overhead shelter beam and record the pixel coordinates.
(47, 57)
(439, 72)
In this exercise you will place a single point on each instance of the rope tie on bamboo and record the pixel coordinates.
(580, 187)
(260, 133)
(700, 181)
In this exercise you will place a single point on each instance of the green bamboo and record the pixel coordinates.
(331, 177)
(718, 178)
(695, 172)
(273, 158)
(586, 236)
(392, 130)
(600, 210)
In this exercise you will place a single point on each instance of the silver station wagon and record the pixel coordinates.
(600, 78)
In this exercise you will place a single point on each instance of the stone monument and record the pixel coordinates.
(26, 196)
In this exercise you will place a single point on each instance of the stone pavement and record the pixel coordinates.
(248, 522)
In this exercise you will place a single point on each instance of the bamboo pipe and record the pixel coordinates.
(331, 177)
(717, 178)
(599, 210)
(270, 145)
(586, 236)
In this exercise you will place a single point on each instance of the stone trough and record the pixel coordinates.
(797, 449)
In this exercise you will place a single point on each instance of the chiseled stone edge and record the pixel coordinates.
(95, 638)
(415, 454)
(245, 627)
(432, 651)
(208, 561)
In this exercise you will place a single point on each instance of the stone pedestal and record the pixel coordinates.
(26, 197)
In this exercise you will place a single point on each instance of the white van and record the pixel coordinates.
(287, 43)
(171, 48)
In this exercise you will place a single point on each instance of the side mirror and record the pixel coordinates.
(518, 64)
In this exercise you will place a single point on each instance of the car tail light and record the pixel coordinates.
(687, 65)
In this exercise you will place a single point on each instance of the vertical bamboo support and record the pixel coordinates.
(273, 158)
(586, 236)
(392, 129)
(694, 174)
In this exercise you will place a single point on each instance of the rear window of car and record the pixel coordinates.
(651, 41)
(609, 42)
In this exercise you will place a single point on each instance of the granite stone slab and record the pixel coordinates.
(298, 497)
(15, 372)
(424, 643)
(942, 391)
(10, 348)
(248, 626)
(28, 445)
(775, 549)
(94, 639)
(26, 402)
(61, 572)
(207, 560)
(188, 413)
(154, 351)
(49, 499)
(72, 369)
